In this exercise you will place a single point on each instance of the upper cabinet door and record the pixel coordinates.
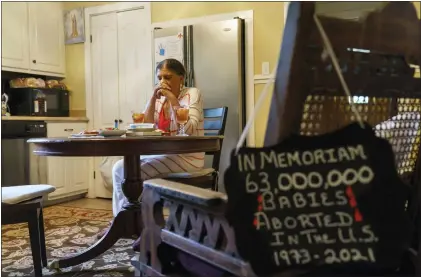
(15, 44)
(46, 35)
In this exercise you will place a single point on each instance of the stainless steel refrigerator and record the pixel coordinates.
(213, 55)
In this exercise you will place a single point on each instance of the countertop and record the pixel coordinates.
(47, 119)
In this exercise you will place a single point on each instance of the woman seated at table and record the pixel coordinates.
(170, 93)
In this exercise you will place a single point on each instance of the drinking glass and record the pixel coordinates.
(138, 117)
(181, 116)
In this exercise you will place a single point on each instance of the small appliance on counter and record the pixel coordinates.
(4, 106)
(39, 102)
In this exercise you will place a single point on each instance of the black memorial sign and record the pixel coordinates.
(333, 201)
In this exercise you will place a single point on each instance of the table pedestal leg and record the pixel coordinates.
(126, 224)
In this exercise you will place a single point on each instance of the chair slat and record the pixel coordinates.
(214, 112)
(211, 132)
(213, 125)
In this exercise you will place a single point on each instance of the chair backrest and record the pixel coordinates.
(214, 125)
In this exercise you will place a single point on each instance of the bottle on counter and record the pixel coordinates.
(40, 103)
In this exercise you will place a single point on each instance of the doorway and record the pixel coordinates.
(118, 72)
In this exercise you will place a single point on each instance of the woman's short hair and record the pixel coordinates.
(173, 65)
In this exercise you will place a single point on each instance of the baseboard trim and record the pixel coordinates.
(64, 199)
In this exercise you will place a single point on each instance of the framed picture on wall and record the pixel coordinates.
(74, 26)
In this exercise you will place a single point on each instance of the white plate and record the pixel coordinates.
(84, 135)
(143, 134)
(142, 126)
(141, 130)
(77, 136)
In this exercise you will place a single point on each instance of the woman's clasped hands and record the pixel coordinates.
(162, 89)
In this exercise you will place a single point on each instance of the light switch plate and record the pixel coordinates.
(265, 68)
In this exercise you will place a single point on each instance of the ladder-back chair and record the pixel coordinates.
(215, 120)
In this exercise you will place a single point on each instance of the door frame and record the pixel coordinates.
(89, 13)
(286, 6)
(247, 15)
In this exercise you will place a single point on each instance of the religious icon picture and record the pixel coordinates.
(74, 26)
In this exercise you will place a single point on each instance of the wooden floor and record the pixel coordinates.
(87, 203)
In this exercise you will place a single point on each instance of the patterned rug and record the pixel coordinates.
(68, 231)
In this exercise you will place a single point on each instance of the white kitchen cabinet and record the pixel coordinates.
(70, 175)
(33, 38)
(64, 129)
(46, 37)
(14, 35)
(56, 176)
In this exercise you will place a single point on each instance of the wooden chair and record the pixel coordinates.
(23, 204)
(307, 99)
(214, 124)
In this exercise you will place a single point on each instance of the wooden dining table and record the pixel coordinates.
(128, 222)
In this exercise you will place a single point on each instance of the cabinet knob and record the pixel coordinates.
(120, 121)
(68, 130)
(34, 61)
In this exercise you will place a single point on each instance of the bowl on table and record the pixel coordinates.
(112, 132)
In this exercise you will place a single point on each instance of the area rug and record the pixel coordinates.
(68, 230)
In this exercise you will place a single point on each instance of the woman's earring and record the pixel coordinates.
(181, 86)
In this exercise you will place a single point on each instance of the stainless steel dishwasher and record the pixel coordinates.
(19, 166)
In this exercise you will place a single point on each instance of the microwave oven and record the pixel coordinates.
(22, 101)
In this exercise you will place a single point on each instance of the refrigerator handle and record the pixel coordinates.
(186, 55)
(189, 55)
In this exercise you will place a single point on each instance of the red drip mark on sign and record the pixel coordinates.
(353, 203)
(351, 197)
(259, 208)
(357, 215)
